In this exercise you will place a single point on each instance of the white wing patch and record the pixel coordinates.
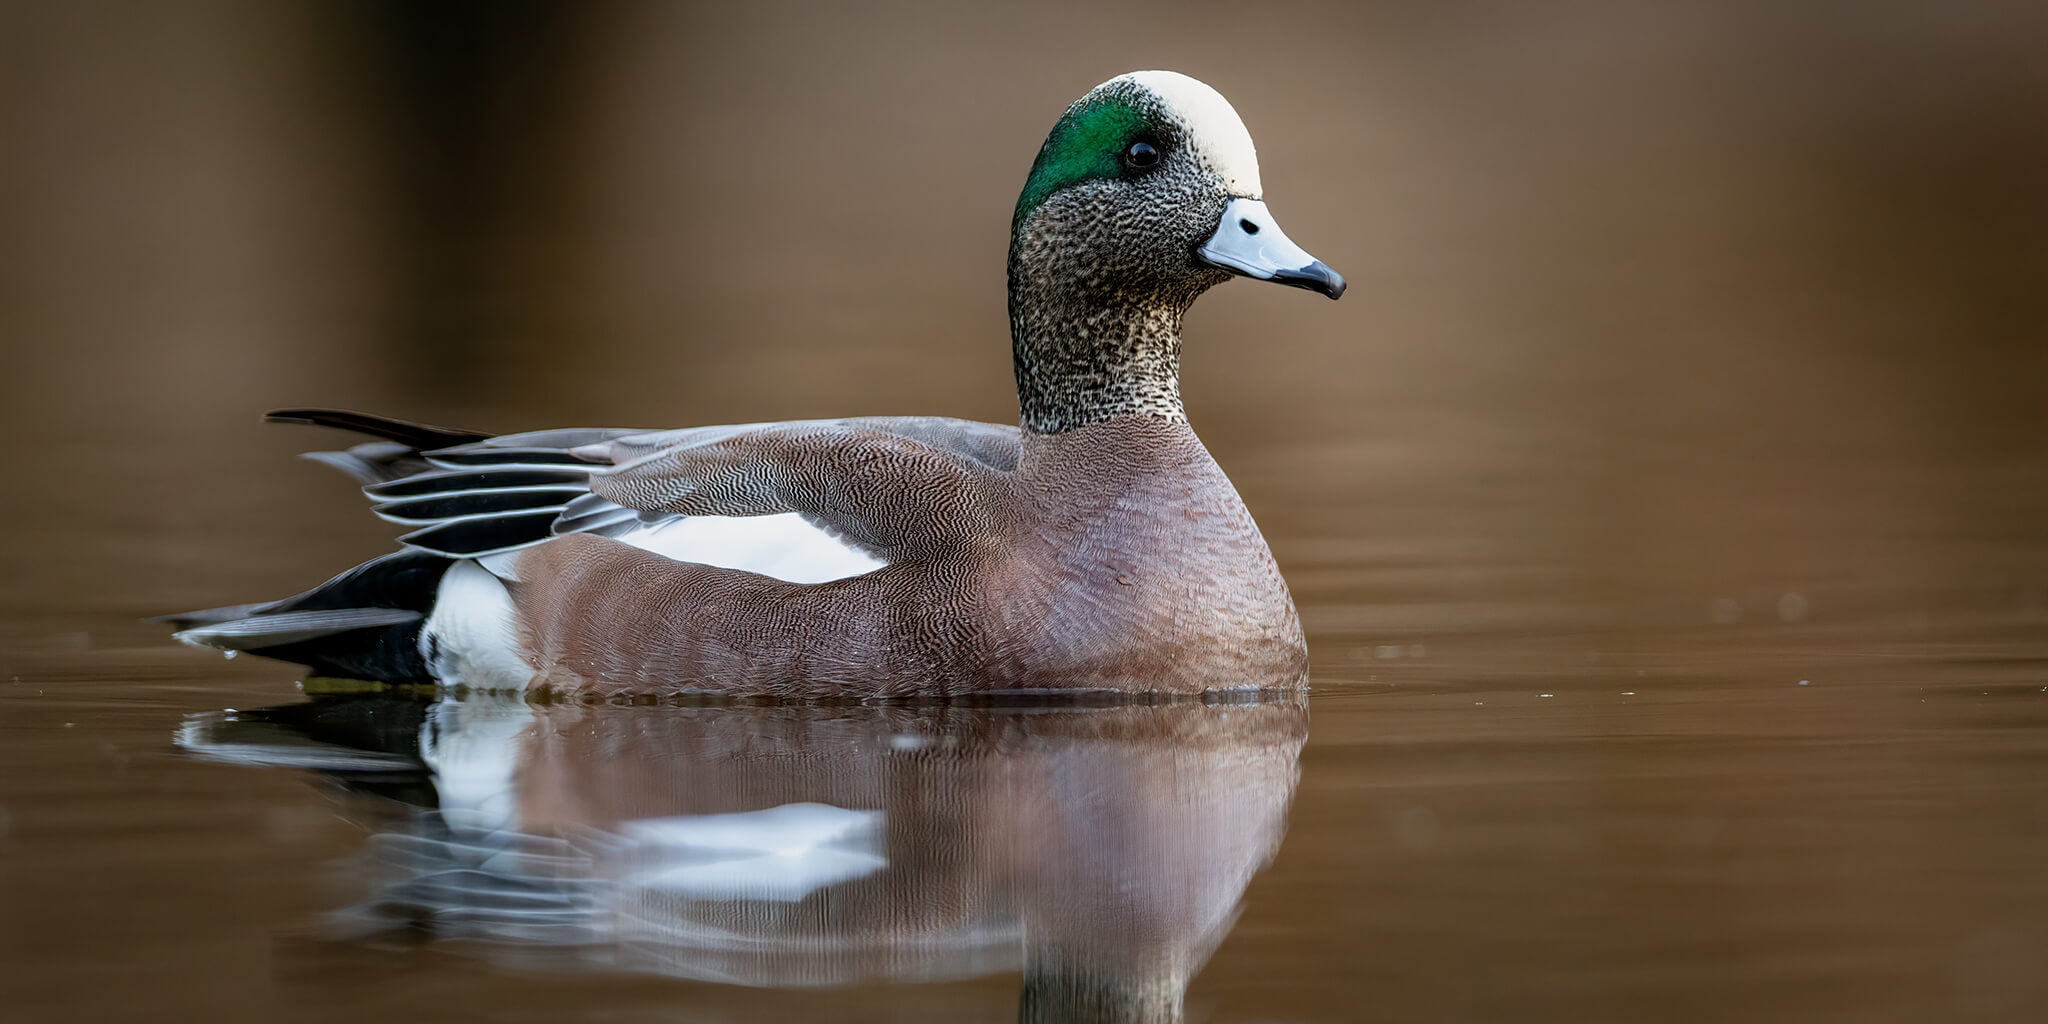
(784, 546)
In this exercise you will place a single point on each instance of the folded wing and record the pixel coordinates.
(869, 486)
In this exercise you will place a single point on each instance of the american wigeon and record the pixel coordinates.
(1096, 546)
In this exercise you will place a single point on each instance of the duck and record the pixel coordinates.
(1095, 545)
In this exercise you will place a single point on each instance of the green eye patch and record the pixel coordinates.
(1087, 143)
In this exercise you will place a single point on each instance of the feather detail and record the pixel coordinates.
(476, 536)
(259, 631)
(454, 481)
(434, 508)
(417, 436)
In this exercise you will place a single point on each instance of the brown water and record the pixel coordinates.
(1667, 505)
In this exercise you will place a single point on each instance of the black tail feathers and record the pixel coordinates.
(362, 624)
(420, 437)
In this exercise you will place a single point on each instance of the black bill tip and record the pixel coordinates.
(1316, 277)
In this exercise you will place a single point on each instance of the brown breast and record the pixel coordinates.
(1136, 565)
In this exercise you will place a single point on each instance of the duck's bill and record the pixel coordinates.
(1248, 241)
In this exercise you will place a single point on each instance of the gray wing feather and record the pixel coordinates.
(513, 491)
(291, 627)
(887, 492)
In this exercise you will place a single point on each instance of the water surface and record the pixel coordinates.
(1840, 821)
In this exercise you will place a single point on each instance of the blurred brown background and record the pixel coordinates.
(1693, 352)
(1653, 304)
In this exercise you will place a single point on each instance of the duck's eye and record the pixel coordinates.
(1141, 155)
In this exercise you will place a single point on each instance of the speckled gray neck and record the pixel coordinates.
(1094, 319)
(1080, 363)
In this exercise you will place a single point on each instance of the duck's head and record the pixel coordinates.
(1147, 192)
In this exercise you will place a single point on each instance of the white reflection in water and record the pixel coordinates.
(1103, 850)
(782, 853)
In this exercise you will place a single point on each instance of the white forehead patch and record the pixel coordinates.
(1217, 131)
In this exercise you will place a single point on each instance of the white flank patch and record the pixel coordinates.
(784, 546)
(470, 637)
(1218, 132)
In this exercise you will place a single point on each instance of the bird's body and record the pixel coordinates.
(1194, 600)
(1097, 546)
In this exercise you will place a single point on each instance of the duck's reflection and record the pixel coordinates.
(1104, 850)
